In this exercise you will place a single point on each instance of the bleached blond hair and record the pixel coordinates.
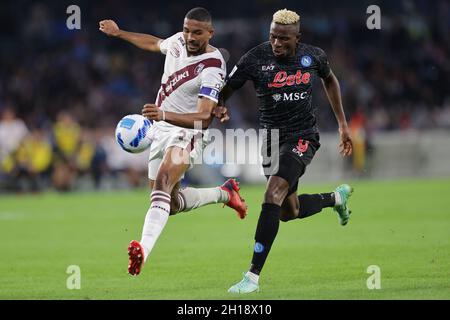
(286, 16)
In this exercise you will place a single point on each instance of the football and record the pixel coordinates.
(132, 133)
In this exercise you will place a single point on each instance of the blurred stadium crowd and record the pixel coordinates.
(62, 91)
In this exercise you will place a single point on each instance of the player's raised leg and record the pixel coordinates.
(228, 193)
(187, 199)
(306, 205)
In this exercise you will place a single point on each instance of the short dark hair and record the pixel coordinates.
(199, 14)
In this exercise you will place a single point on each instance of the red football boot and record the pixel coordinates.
(231, 186)
(136, 258)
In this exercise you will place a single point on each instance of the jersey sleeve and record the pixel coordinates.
(165, 44)
(212, 81)
(240, 73)
(324, 65)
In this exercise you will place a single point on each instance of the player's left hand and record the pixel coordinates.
(221, 113)
(152, 112)
(346, 145)
(109, 27)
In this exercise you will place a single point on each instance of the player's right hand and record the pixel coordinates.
(109, 27)
(152, 112)
(346, 145)
(221, 113)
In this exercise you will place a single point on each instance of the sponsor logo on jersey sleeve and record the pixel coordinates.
(232, 72)
(175, 50)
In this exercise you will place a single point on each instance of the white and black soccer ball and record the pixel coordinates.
(132, 133)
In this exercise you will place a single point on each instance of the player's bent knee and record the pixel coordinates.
(288, 216)
(275, 195)
(277, 190)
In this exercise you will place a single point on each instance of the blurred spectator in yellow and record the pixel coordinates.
(360, 135)
(67, 134)
(33, 160)
(35, 153)
(91, 157)
(67, 137)
(85, 152)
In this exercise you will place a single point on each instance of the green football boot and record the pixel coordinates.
(246, 285)
(345, 191)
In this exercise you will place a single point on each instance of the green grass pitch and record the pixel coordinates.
(401, 226)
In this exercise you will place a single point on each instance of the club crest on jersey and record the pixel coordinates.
(199, 68)
(282, 79)
(306, 61)
(301, 147)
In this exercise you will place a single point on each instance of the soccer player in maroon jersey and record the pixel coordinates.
(194, 72)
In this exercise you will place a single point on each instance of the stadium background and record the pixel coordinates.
(62, 92)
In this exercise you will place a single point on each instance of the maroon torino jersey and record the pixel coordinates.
(283, 86)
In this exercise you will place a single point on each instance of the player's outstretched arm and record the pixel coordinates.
(198, 120)
(140, 40)
(333, 90)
